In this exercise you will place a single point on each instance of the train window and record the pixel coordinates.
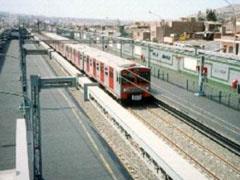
(145, 77)
(106, 71)
(97, 66)
(111, 74)
(127, 77)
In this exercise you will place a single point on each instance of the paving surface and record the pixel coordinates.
(9, 82)
(71, 148)
(224, 120)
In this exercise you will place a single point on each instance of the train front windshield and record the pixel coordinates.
(136, 76)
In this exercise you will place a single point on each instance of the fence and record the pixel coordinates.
(228, 98)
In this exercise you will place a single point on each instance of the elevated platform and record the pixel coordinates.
(22, 169)
(8, 174)
(9, 104)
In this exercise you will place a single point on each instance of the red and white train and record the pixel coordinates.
(124, 79)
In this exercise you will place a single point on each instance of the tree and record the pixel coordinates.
(200, 16)
(123, 31)
(211, 15)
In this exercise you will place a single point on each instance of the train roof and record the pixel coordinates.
(107, 58)
(55, 36)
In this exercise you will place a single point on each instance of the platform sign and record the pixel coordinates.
(127, 49)
(110, 44)
(234, 75)
(190, 63)
(161, 56)
(138, 50)
(220, 71)
(158, 55)
(118, 45)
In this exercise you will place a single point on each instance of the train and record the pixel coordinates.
(124, 79)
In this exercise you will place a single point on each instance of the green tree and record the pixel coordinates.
(123, 31)
(211, 15)
(200, 16)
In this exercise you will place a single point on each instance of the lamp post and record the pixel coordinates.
(234, 21)
(160, 22)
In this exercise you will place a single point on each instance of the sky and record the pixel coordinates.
(112, 9)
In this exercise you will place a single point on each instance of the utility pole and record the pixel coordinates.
(132, 43)
(121, 47)
(149, 56)
(23, 65)
(234, 22)
(103, 42)
(38, 26)
(201, 76)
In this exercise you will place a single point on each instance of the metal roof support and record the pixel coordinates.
(38, 83)
(85, 89)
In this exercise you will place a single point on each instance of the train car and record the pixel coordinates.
(124, 79)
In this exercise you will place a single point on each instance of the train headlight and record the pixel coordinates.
(147, 88)
(124, 89)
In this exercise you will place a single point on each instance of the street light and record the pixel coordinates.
(234, 24)
(160, 21)
(157, 15)
(234, 17)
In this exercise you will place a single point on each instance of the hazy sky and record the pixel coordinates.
(112, 9)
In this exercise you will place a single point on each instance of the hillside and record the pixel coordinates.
(227, 12)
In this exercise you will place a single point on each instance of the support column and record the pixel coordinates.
(35, 114)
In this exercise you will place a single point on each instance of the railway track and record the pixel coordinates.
(212, 134)
(209, 157)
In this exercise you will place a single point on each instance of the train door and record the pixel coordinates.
(91, 66)
(66, 52)
(94, 68)
(78, 59)
(69, 53)
(74, 56)
(87, 63)
(106, 77)
(111, 78)
(102, 72)
(83, 62)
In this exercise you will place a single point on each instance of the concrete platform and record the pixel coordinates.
(216, 116)
(8, 174)
(9, 104)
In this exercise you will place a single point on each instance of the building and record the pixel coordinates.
(212, 26)
(230, 40)
(229, 44)
(177, 28)
(140, 31)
